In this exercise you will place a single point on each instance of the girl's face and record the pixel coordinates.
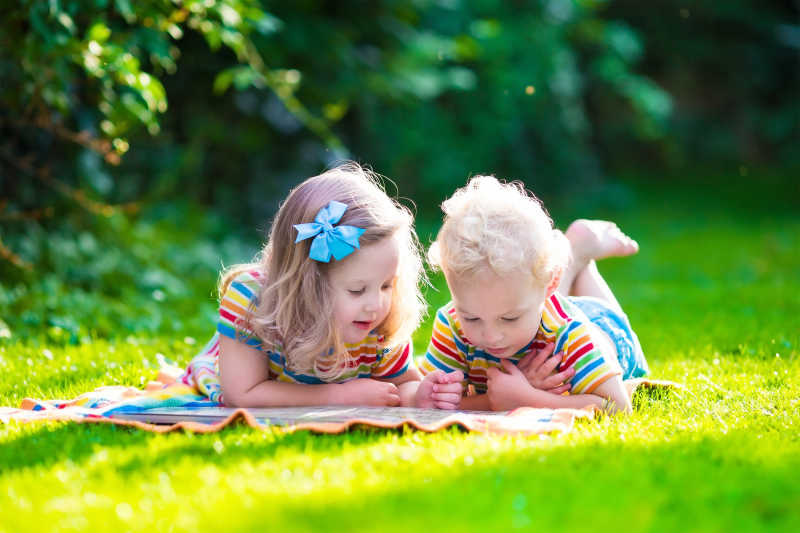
(362, 285)
(500, 315)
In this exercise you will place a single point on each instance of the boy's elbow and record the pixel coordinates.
(618, 405)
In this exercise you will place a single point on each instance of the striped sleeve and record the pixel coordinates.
(446, 349)
(394, 362)
(233, 308)
(572, 336)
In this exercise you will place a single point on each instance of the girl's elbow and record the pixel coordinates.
(238, 399)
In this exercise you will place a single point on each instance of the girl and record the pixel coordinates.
(333, 297)
(509, 272)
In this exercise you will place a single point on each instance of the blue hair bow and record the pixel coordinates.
(339, 241)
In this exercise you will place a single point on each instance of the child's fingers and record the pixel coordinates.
(532, 360)
(527, 361)
(510, 367)
(446, 405)
(560, 377)
(393, 400)
(561, 389)
(446, 397)
(456, 376)
(447, 387)
(535, 359)
(550, 365)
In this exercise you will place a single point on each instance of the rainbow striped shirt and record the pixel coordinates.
(562, 323)
(369, 358)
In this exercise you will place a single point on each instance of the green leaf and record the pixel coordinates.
(124, 7)
(66, 21)
(223, 81)
(98, 32)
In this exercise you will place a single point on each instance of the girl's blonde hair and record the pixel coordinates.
(294, 309)
(501, 227)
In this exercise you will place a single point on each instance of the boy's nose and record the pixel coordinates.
(492, 337)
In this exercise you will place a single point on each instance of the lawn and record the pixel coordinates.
(714, 295)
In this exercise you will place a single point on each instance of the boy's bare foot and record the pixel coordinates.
(598, 239)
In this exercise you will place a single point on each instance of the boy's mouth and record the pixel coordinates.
(496, 351)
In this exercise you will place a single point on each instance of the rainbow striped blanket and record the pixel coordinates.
(179, 406)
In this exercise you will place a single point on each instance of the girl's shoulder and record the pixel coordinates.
(248, 282)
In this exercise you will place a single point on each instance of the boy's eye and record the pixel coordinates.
(471, 319)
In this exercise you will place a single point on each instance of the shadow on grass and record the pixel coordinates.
(46, 444)
(712, 483)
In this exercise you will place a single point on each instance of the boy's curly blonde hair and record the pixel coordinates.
(294, 311)
(501, 227)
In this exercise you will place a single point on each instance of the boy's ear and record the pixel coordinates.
(554, 282)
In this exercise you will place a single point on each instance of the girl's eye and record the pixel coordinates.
(510, 319)
(471, 319)
(356, 292)
(386, 286)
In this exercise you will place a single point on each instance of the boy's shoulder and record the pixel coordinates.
(558, 310)
(448, 316)
(447, 312)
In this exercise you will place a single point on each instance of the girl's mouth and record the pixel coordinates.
(362, 324)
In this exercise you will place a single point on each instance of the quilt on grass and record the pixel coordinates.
(179, 406)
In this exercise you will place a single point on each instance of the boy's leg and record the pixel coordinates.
(590, 240)
(590, 282)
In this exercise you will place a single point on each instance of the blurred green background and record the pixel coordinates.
(145, 144)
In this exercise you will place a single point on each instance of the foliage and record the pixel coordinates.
(732, 71)
(115, 278)
(111, 111)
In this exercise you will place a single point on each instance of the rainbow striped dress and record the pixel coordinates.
(562, 323)
(369, 358)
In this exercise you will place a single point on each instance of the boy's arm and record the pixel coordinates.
(510, 389)
(476, 402)
(539, 398)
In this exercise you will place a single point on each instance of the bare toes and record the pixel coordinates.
(598, 239)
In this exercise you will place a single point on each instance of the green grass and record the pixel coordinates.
(714, 296)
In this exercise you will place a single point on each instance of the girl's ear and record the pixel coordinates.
(554, 282)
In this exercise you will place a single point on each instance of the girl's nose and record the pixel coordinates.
(371, 303)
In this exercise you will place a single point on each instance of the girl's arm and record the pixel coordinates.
(407, 384)
(244, 377)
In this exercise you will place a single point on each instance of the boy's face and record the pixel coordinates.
(500, 315)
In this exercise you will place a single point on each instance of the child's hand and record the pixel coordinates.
(367, 391)
(539, 367)
(509, 389)
(440, 389)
